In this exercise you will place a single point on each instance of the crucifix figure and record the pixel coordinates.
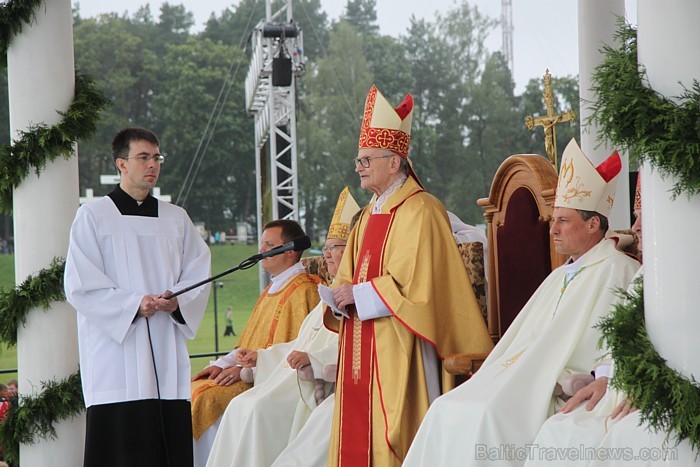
(549, 121)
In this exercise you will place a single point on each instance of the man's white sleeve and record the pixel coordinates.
(368, 303)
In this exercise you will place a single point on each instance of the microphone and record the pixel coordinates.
(298, 244)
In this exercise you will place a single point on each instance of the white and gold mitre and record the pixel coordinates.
(385, 127)
(582, 186)
(345, 208)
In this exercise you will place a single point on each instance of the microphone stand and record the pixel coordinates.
(298, 244)
(245, 264)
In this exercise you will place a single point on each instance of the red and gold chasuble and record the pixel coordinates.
(357, 354)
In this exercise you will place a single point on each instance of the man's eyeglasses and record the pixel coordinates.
(331, 247)
(364, 161)
(143, 158)
(269, 246)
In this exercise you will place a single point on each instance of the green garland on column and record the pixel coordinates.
(667, 400)
(33, 416)
(36, 291)
(665, 132)
(13, 16)
(42, 144)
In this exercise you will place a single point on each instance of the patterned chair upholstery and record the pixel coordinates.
(317, 265)
(473, 258)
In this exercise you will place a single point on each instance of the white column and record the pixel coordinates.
(597, 22)
(41, 82)
(668, 40)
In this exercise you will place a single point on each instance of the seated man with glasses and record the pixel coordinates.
(126, 251)
(276, 318)
(259, 424)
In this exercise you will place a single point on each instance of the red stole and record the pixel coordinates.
(357, 354)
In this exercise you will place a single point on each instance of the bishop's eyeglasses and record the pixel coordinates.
(331, 247)
(364, 161)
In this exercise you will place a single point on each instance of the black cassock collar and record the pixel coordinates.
(128, 206)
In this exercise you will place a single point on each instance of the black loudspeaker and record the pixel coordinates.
(281, 71)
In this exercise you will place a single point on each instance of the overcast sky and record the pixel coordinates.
(545, 31)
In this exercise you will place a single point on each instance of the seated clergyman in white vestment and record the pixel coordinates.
(258, 424)
(493, 417)
(276, 318)
(591, 412)
(310, 447)
(606, 430)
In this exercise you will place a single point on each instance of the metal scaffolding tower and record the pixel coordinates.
(276, 62)
(507, 27)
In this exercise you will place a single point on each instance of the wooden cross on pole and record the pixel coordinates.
(549, 121)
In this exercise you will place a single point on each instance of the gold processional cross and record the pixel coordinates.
(549, 121)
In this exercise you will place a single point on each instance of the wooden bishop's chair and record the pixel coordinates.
(521, 253)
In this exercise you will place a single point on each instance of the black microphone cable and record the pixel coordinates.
(160, 403)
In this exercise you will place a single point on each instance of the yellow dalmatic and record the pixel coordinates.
(276, 318)
(409, 255)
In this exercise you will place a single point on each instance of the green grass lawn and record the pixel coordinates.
(240, 291)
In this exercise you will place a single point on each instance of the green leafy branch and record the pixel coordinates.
(36, 291)
(42, 144)
(13, 16)
(664, 131)
(667, 401)
(35, 416)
